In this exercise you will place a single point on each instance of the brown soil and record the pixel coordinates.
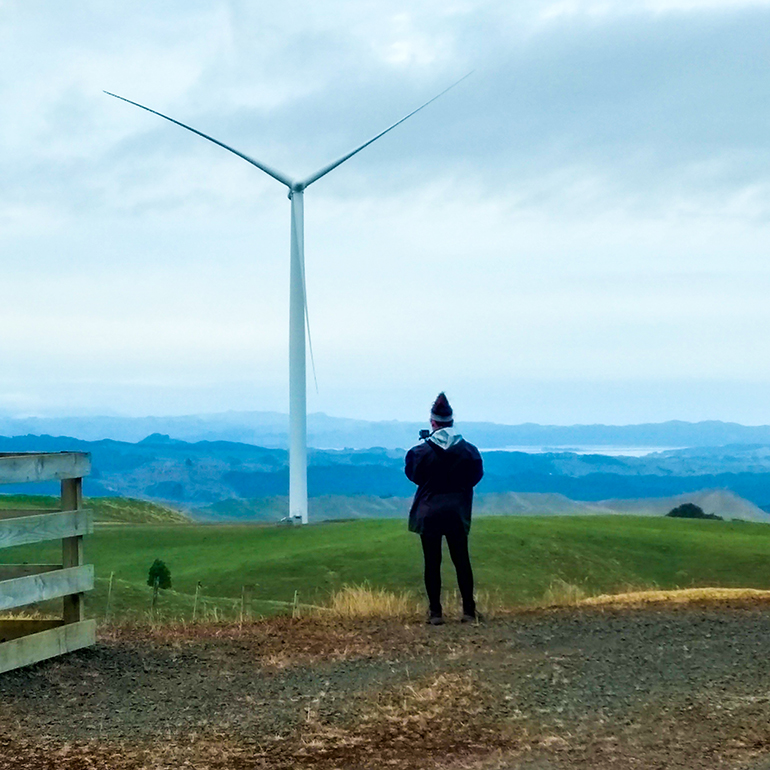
(550, 690)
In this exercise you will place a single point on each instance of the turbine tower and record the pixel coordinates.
(298, 314)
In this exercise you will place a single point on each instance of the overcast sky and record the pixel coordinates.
(579, 232)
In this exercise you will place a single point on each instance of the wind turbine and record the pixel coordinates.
(298, 313)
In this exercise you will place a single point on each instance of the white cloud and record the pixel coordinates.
(589, 207)
(604, 8)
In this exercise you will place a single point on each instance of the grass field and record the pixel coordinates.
(522, 561)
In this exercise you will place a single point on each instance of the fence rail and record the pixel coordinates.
(26, 641)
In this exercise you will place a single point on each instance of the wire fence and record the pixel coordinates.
(117, 600)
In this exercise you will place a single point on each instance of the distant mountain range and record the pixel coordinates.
(197, 475)
(270, 429)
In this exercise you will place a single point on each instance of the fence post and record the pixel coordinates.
(195, 602)
(72, 548)
(109, 597)
(248, 592)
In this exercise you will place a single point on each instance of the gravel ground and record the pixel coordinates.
(636, 688)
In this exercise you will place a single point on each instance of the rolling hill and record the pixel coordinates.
(330, 507)
(105, 509)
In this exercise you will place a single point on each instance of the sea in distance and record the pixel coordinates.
(609, 450)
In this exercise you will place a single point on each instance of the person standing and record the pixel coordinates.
(445, 468)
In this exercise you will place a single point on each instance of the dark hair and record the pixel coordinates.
(442, 410)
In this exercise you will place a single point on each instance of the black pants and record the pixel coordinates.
(458, 550)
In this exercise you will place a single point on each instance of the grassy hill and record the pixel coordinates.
(518, 560)
(266, 509)
(322, 508)
(106, 509)
(723, 502)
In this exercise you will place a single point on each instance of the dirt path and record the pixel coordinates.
(652, 688)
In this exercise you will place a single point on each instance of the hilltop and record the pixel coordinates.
(105, 509)
(719, 501)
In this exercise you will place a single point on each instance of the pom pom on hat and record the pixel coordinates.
(441, 411)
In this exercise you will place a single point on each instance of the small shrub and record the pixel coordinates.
(161, 573)
(691, 511)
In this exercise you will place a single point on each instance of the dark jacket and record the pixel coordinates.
(445, 479)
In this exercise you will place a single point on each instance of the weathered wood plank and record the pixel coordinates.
(73, 605)
(10, 571)
(8, 513)
(46, 644)
(16, 627)
(49, 585)
(21, 467)
(48, 526)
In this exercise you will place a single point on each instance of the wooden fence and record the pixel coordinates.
(27, 641)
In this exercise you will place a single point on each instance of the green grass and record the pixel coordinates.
(518, 560)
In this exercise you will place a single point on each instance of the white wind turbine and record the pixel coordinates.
(298, 313)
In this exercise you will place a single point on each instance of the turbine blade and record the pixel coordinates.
(309, 337)
(301, 246)
(315, 177)
(261, 166)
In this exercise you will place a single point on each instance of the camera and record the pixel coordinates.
(424, 434)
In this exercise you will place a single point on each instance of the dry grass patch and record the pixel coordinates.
(676, 596)
(564, 594)
(45, 753)
(561, 593)
(363, 601)
(29, 614)
(435, 720)
(422, 704)
(281, 642)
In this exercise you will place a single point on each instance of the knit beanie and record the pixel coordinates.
(441, 411)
